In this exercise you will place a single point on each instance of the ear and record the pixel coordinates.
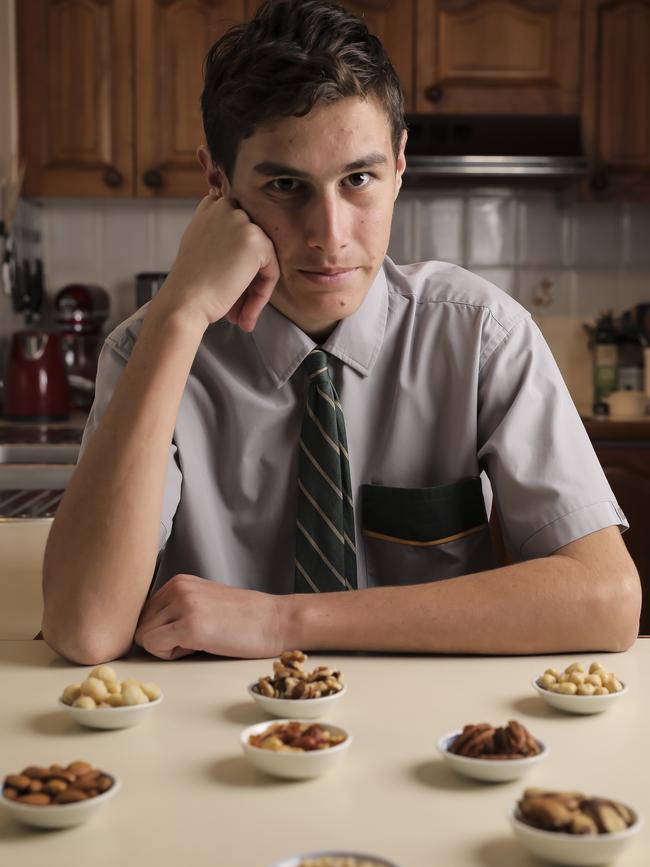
(400, 163)
(214, 174)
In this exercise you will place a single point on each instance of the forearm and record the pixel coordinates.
(547, 605)
(102, 548)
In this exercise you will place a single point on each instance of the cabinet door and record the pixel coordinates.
(616, 110)
(172, 38)
(498, 56)
(75, 96)
(628, 471)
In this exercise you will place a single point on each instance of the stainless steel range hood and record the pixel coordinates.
(502, 147)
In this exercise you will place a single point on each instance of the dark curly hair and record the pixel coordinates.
(292, 55)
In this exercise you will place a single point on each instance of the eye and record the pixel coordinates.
(359, 179)
(285, 185)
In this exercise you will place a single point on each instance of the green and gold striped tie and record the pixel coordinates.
(326, 557)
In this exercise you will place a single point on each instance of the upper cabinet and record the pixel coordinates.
(616, 104)
(110, 91)
(498, 56)
(171, 39)
(76, 97)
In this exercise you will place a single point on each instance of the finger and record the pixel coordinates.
(154, 619)
(164, 639)
(258, 296)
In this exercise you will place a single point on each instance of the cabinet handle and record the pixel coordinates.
(599, 181)
(112, 177)
(153, 179)
(434, 93)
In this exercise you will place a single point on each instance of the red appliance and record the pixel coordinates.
(36, 387)
(81, 311)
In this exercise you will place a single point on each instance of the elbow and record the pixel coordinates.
(621, 610)
(82, 648)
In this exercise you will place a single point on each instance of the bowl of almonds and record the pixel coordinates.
(57, 796)
(293, 691)
(578, 691)
(492, 753)
(573, 828)
(101, 701)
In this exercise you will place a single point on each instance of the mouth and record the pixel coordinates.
(327, 276)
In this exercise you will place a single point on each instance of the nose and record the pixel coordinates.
(327, 222)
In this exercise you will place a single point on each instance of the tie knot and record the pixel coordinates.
(315, 365)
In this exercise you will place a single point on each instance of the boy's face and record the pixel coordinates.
(322, 187)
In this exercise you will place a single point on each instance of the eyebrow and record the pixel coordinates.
(271, 169)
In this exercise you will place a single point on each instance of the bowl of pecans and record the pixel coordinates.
(492, 753)
(578, 691)
(293, 691)
(295, 749)
(57, 796)
(572, 828)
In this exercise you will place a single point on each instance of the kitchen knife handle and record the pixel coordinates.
(112, 177)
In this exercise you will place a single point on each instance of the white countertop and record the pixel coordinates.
(22, 544)
(189, 797)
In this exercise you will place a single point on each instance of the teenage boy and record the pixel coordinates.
(292, 447)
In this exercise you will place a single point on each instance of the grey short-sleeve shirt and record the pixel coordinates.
(442, 377)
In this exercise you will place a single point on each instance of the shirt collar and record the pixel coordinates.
(356, 340)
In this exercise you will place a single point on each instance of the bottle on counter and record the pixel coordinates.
(605, 361)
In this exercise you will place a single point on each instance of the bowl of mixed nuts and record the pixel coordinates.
(56, 796)
(572, 828)
(295, 749)
(578, 691)
(293, 691)
(492, 753)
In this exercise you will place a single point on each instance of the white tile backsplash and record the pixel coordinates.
(596, 235)
(595, 255)
(491, 227)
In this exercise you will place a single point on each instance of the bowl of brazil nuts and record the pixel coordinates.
(335, 859)
(578, 691)
(56, 796)
(572, 828)
(293, 691)
(492, 753)
(295, 749)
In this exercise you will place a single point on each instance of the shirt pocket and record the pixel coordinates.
(416, 535)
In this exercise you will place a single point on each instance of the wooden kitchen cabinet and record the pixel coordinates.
(109, 94)
(616, 100)
(75, 96)
(498, 56)
(623, 449)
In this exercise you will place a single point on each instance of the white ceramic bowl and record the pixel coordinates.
(362, 858)
(59, 815)
(294, 766)
(111, 717)
(489, 770)
(305, 708)
(574, 849)
(579, 703)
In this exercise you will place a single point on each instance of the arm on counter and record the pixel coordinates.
(584, 597)
(102, 548)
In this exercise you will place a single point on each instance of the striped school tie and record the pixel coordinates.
(326, 557)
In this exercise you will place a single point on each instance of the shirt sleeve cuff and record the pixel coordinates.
(572, 526)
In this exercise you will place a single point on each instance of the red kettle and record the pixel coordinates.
(36, 387)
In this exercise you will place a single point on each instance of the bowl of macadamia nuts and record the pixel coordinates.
(580, 690)
(571, 827)
(335, 859)
(295, 749)
(57, 796)
(293, 691)
(102, 701)
(493, 754)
